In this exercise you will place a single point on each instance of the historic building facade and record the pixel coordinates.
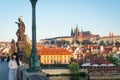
(111, 38)
(54, 55)
(83, 35)
(76, 34)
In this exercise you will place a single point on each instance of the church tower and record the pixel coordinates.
(72, 33)
(76, 32)
(80, 37)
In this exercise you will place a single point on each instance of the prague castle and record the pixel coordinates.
(76, 34)
(83, 35)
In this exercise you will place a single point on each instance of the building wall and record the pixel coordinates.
(54, 55)
(65, 38)
(109, 38)
(53, 59)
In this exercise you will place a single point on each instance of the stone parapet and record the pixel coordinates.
(25, 75)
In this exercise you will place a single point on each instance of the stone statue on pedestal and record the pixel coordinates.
(13, 47)
(21, 30)
(21, 43)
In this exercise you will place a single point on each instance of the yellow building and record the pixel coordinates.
(54, 55)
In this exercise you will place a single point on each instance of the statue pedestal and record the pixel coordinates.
(21, 47)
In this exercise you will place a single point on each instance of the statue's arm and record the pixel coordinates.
(16, 22)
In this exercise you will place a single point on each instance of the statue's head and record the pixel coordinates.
(13, 40)
(19, 19)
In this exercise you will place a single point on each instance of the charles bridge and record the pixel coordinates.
(4, 70)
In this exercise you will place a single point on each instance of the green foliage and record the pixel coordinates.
(114, 60)
(72, 59)
(102, 43)
(28, 49)
(82, 74)
(52, 42)
(74, 67)
(78, 42)
(108, 43)
(117, 43)
(86, 42)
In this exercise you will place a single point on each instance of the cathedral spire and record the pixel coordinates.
(72, 34)
(77, 30)
(77, 27)
(81, 29)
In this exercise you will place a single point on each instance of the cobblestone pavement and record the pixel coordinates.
(4, 70)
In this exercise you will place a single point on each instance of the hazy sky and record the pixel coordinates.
(57, 17)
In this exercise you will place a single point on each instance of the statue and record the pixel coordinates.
(21, 30)
(13, 46)
(21, 42)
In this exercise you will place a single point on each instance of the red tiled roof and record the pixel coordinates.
(54, 51)
(73, 48)
(99, 61)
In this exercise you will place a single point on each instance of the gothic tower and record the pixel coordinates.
(72, 33)
(80, 37)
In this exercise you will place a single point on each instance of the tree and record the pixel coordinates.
(77, 41)
(73, 60)
(114, 60)
(87, 42)
(108, 43)
(74, 67)
(102, 43)
(112, 42)
(59, 43)
(52, 42)
(28, 50)
(117, 43)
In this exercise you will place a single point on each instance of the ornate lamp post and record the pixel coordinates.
(34, 63)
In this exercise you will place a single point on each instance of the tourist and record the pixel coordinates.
(13, 65)
(3, 58)
(8, 58)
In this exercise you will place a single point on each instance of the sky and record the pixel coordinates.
(56, 17)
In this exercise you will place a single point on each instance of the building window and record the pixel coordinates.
(60, 61)
(47, 61)
(60, 56)
(64, 61)
(55, 61)
(52, 61)
(66, 56)
(44, 61)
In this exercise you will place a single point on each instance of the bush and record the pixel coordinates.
(74, 67)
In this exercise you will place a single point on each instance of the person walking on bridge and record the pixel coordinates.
(13, 66)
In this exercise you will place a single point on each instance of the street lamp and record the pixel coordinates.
(34, 63)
